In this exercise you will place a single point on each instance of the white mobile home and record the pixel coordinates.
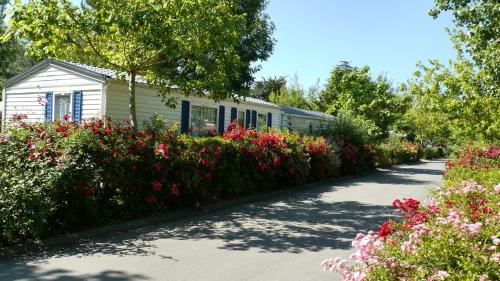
(50, 89)
(303, 120)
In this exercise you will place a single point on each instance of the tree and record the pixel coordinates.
(476, 32)
(352, 89)
(12, 58)
(454, 97)
(265, 87)
(193, 46)
(292, 95)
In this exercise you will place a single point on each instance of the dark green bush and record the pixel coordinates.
(64, 177)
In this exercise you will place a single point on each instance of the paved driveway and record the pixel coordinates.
(283, 238)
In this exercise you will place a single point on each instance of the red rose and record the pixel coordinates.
(156, 185)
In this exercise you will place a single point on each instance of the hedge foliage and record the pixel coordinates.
(64, 177)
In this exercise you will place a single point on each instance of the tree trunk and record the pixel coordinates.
(131, 97)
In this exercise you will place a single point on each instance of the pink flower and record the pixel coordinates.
(406, 247)
(42, 101)
(497, 188)
(495, 240)
(66, 116)
(483, 277)
(162, 150)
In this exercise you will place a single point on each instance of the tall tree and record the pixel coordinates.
(352, 89)
(193, 45)
(12, 58)
(456, 94)
(476, 32)
(292, 94)
(263, 88)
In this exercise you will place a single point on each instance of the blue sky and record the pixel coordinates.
(390, 36)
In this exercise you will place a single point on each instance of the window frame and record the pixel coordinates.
(258, 121)
(54, 104)
(238, 118)
(191, 118)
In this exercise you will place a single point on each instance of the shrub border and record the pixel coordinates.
(125, 226)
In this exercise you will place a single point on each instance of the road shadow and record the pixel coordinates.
(302, 221)
(23, 271)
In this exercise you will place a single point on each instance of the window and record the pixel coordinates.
(203, 120)
(61, 106)
(241, 118)
(261, 121)
(310, 126)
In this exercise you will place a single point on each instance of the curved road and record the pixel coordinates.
(283, 238)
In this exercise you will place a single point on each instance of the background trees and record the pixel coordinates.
(12, 58)
(352, 89)
(200, 47)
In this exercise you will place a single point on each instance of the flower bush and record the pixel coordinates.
(63, 176)
(455, 236)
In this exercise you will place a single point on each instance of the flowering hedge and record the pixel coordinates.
(63, 177)
(455, 236)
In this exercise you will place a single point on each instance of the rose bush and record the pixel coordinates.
(64, 176)
(455, 236)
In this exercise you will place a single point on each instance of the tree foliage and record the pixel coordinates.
(262, 89)
(291, 95)
(12, 58)
(477, 32)
(353, 90)
(451, 102)
(201, 47)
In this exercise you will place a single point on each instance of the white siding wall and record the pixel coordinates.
(300, 124)
(22, 96)
(148, 103)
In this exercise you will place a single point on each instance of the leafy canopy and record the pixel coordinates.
(353, 90)
(291, 95)
(190, 44)
(476, 32)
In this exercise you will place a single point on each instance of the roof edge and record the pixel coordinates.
(46, 62)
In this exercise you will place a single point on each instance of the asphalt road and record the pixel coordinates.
(283, 238)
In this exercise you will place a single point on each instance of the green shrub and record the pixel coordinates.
(352, 135)
(64, 177)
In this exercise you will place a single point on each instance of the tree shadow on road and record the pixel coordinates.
(23, 271)
(302, 221)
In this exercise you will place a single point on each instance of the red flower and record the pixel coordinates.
(385, 230)
(175, 190)
(277, 161)
(156, 185)
(108, 131)
(66, 116)
(162, 150)
(151, 199)
(157, 167)
(140, 145)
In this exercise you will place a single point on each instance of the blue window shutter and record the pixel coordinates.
(247, 118)
(254, 119)
(185, 117)
(269, 119)
(77, 106)
(234, 114)
(48, 107)
(222, 111)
